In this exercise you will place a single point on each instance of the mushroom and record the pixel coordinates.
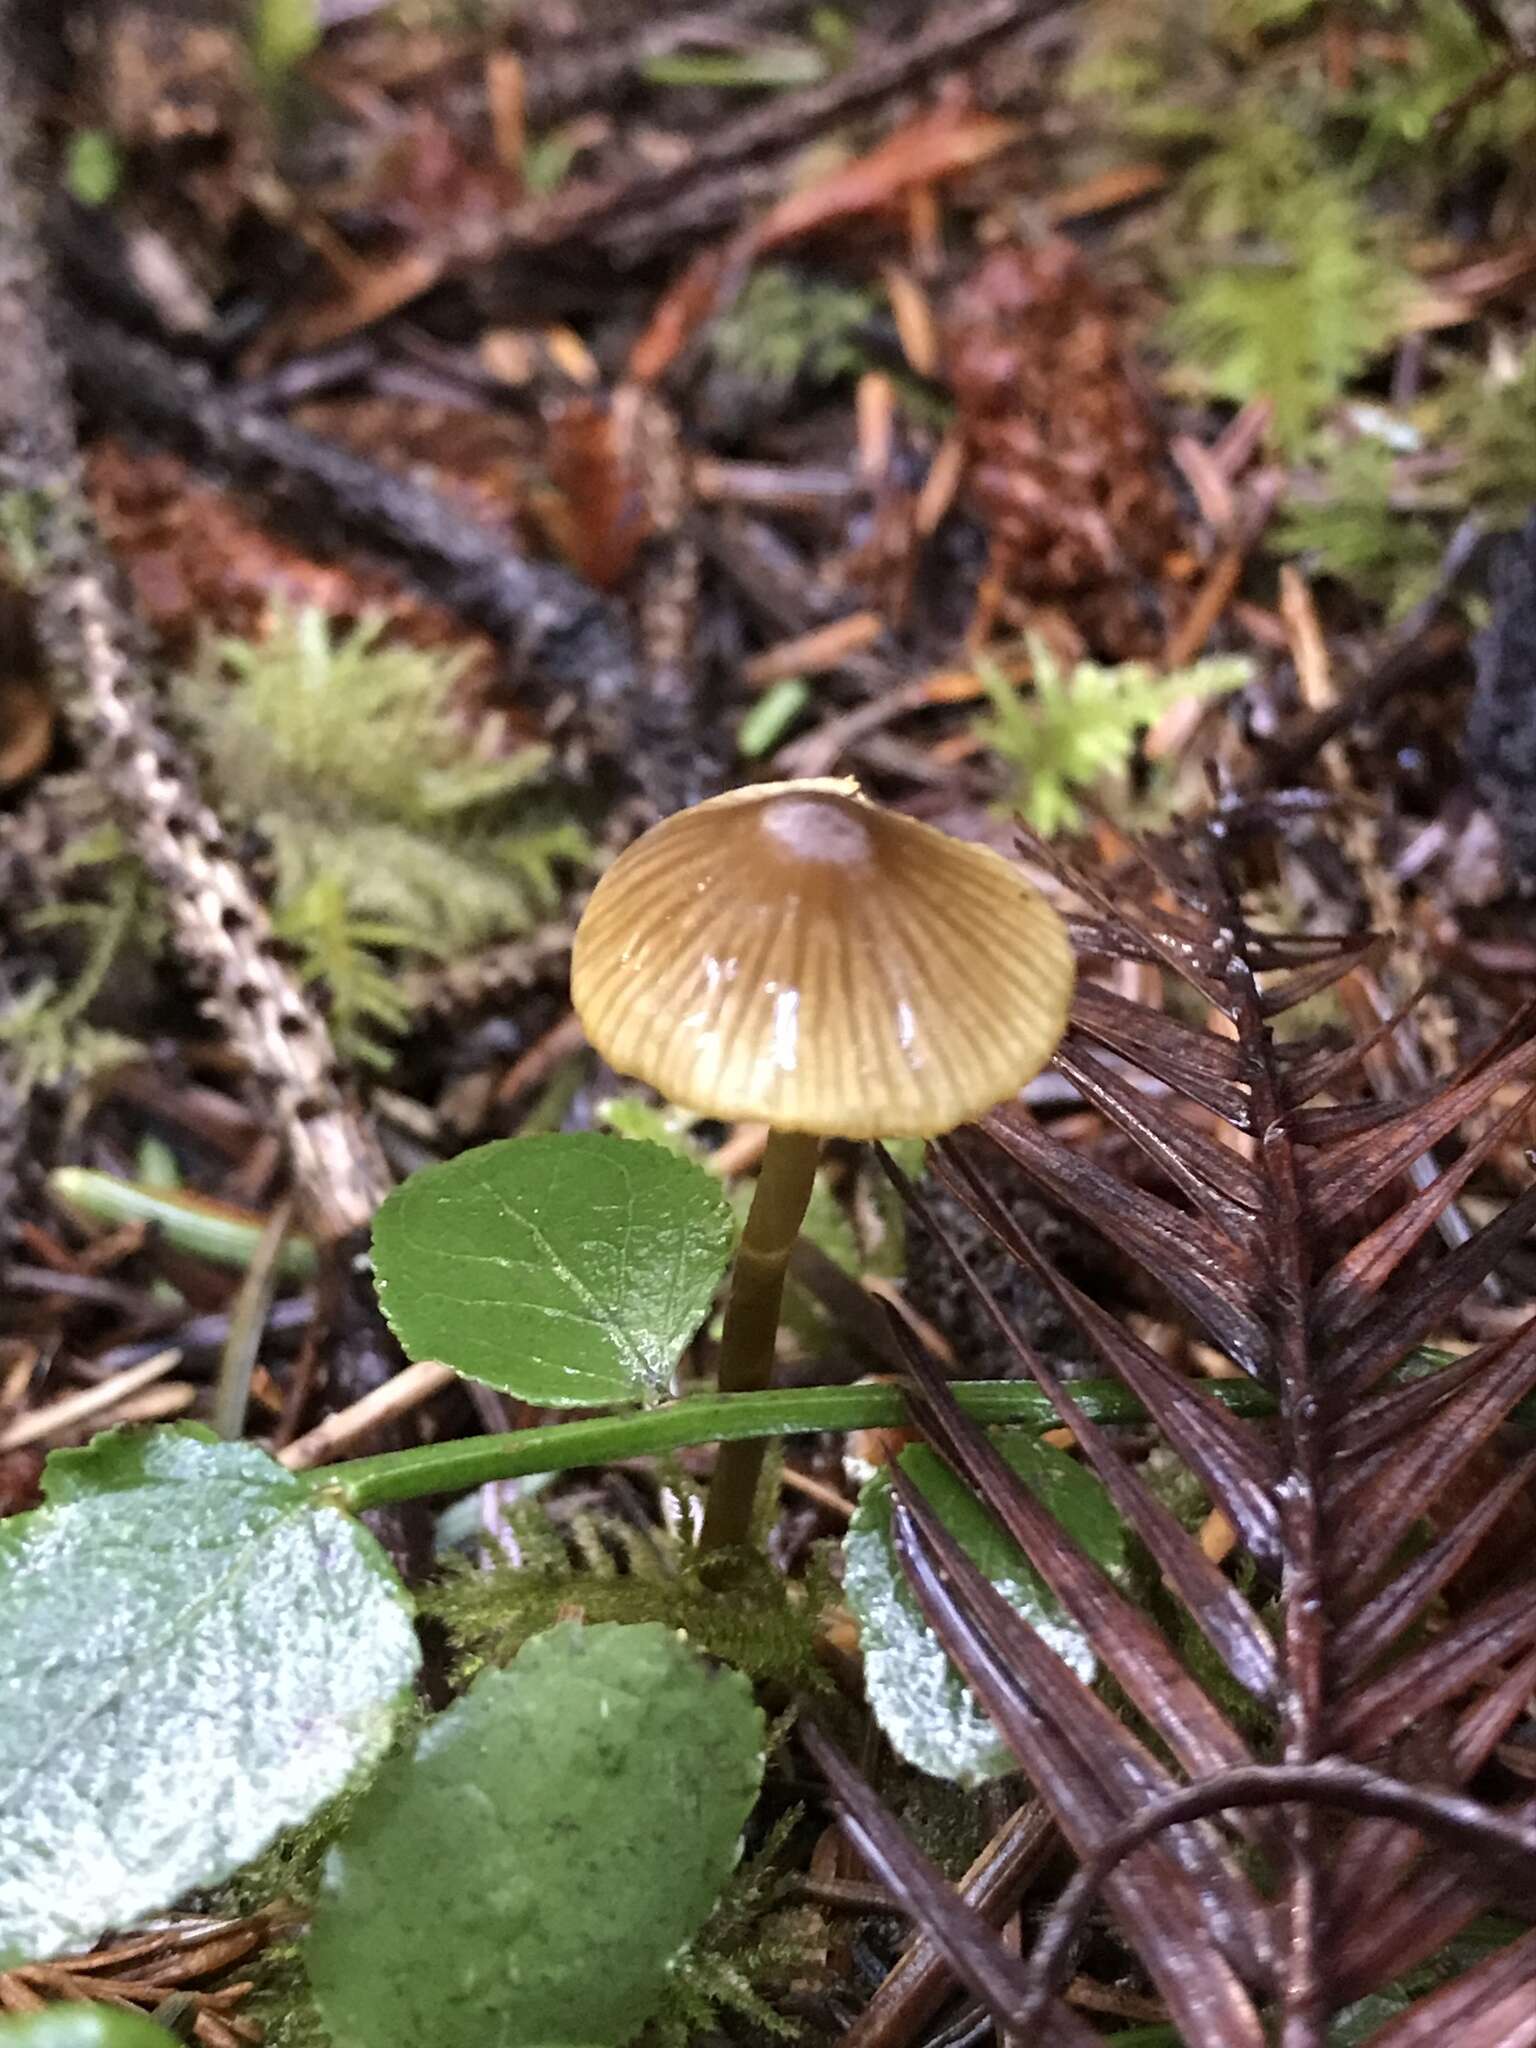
(794, 955)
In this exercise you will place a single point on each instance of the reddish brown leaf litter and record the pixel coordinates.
(201, 565)
(189, 1964)
(599, 461)
(935, 146)
(1067, 466)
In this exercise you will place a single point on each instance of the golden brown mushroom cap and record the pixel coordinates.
(794, 955)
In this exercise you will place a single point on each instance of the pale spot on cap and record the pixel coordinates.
(792, 954)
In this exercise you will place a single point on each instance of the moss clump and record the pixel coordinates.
(749, 1616)
(786, 325)
(397, 835)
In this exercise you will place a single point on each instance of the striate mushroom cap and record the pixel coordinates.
(793, 955)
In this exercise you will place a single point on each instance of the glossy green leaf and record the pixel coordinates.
(568, 1270)
(196, 1657)
(925, 1707)
(74, 2025)
(527, 1877)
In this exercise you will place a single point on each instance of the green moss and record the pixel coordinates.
(1080, 725)
(1288, 281)
(21, 517)
(786, 325)
(754, 1945)
(1348, 519)
(1360, 511)
(289, 1875)
(1403, 102)
(396, 838)
(1298, 191)
(48, 1031)
(281, 33)
(1486, 415)
(751, 1617)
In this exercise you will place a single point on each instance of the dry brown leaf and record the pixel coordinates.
(683, 308)
(936, 145)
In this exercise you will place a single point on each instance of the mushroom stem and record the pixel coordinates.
(784, 1185)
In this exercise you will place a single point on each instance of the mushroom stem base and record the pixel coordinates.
(784, 1186)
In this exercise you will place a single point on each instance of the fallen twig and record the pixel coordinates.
(1421, 639)
(567, 648)
(742, 162)
(350, 1425)
(96, 654)
(558, 635)
(89, 1404)
(562, 80)
(638, 217)
(921, 1979)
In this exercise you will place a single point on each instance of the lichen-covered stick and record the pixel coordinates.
(98, 663)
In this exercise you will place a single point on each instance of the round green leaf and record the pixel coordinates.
(196, 1657)
(568, 1270)
(926, 1708)
(526, 1878)
(73, 2025)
